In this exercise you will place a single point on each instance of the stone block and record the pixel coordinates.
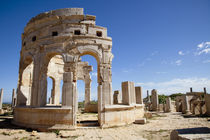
(128, 93)
(200, 133)
(138, 91)
(140, 121)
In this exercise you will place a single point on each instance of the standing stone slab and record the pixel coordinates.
(168, 106)
(1, 98)
(13, 98)
(207, 102)
(128, 93)
(138, 91)
(155, 101)
(116, 97)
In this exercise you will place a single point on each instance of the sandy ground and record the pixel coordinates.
(157, 128)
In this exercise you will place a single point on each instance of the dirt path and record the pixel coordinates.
(157, 128)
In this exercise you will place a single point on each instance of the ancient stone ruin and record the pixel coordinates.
(52, 45)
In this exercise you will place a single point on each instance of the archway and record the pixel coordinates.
(87, 85)
(55, 73)
(25, 82)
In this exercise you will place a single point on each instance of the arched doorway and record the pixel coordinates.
(87, 113)
(55, 76)
(25, 82)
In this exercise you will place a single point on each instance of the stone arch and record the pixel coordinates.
(25, 81)
(96, 53)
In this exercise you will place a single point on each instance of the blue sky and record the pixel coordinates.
(162, 44)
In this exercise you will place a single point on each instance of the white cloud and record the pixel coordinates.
(203, 48)
(178, 62)
(94, 74)
(206, 61)
(161, 72)
(177, 85)
(181, 53)
(154, 53)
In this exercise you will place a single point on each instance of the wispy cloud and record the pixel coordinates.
(177, 85)
(203, 48)
(154, 53)
(206, 61)
(181, 53)
(126, 71)
(160, 72)
(178, 62)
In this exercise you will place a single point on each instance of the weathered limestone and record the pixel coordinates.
(13, 98)
(155, 101)
(1, 97)
(53, 43)
(116, 97)
(138, 91)
(207, 102)
(140, 121)
(168, 105)
(70, 34)
(128, 93)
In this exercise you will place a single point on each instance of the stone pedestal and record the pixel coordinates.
(128, 93)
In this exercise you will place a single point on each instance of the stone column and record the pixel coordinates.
(187, 106)
(39, 84)
(204, 90)
(13, 98)
(168, 106)
(55, 93)
(138, 91)
(50, 100)
(105, 97)
(155, 101)
(191, 90)
(116, 97)
(1, 98)
(148, 97)
(69, 90)
(128, 93)
(87, 92)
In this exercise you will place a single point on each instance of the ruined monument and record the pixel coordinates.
(52, 45)
(168, 105)
(155, 101)
(196, 103)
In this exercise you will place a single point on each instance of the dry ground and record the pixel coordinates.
(157, 128)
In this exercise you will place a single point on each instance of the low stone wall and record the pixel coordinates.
(43, 118)
(118, 115)
(91, 108)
